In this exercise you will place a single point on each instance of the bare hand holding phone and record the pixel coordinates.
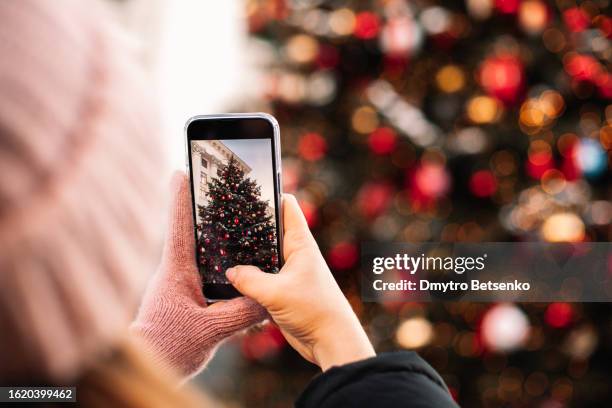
(304, 299)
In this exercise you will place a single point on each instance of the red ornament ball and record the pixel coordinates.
(483, 183)
(576, 19)
(367, 25)
(559, 315)
(503, 77)
(343, 255)
(312, 146)
(382, 141)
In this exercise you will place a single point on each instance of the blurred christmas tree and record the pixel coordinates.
(488, 120)
(236, 228)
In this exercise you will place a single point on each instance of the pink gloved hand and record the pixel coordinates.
(173, 318)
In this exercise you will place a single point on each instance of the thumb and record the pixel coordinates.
(253, 282)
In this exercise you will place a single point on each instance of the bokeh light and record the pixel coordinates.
(504, 328)
(450, 78)
(502, 76)
(414, 333)
(483, 109)
(483, 183)
(533, 16)
(563, 227)
(312, 146)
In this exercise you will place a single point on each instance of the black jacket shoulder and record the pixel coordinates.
(399, 379)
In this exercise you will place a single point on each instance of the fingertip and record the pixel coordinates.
(293, 217)
(230, 273)
(233, 272)
(290, 198)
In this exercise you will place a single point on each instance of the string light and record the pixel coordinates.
(450, 78)
(414, 333)
(483, 109)
(563, 227)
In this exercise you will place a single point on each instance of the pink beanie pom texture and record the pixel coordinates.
(79, 197)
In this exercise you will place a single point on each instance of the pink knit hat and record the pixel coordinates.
(79, 192)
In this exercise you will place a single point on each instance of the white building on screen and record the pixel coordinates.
(206, 157)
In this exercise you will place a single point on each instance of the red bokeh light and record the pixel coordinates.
(431, 180)
(263, 344)
(576, 19)
(367, 25)
(343, 255)
(604, 24)
(373, 198)
(559, 315)
(582, 67)
(604, 85)
(507, 6)
(328, 57)
(383, 140)
(503, 77)
(538, 163)
(570, 170)
(312, 146)
(310, 213)
(483, 183)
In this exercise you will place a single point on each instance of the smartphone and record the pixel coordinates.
(234, 165)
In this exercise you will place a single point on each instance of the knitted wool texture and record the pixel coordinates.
(174, 319)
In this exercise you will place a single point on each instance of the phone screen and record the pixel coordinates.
(235, 200)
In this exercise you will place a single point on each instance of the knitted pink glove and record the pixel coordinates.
(174, 318)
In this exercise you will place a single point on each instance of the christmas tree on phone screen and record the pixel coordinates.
(235, 227)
